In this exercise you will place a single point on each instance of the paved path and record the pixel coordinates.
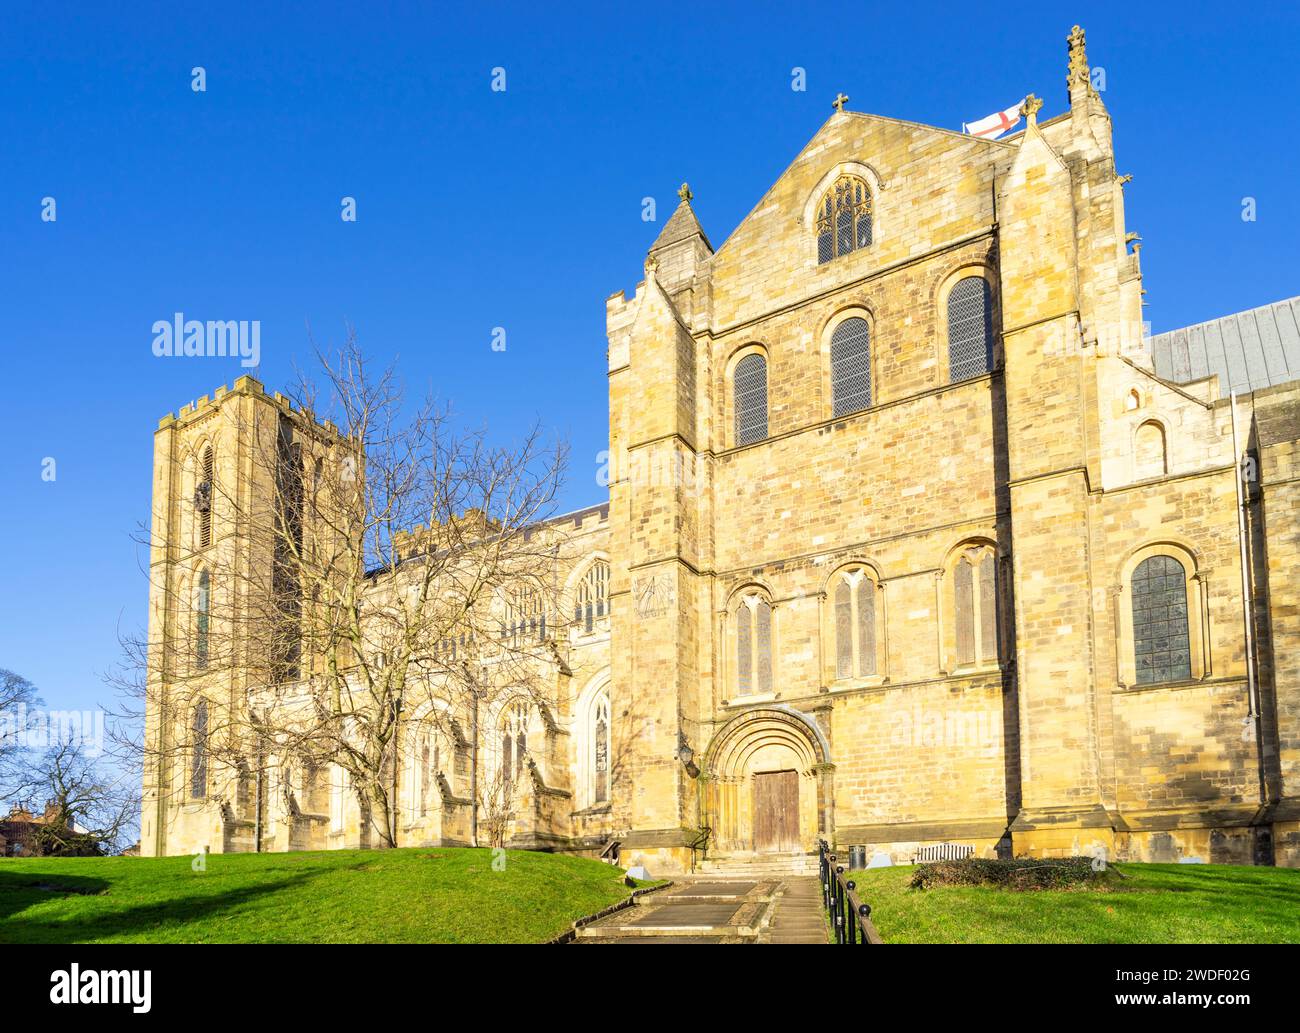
(798, 916)
(713, 910)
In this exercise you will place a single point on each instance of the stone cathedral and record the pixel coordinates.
(913, 537)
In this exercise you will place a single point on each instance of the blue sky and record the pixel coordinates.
(478, 209)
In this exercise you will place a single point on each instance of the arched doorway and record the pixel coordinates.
(768, 787)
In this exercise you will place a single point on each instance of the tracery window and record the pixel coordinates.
(593, 596)
(525, 616)
(975, 606)
(514, 741)
(753, 646)
(843, 219)
(854, 600)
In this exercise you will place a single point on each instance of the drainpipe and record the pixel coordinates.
(1247, 617)
(257, 811)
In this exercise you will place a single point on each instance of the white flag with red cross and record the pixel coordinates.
(996, 124)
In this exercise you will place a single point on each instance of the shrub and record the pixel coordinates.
(1026, 873)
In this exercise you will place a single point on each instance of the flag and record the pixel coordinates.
(994, 125)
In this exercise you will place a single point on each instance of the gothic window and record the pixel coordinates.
(199, 751)
(1160, 636)
(311, 785)
(855, 625)
(525, 617)
(203, 607)
(753, 646)
(975, 606)
(427, 767)
(749, 387)
(970, 329)
(593, 596)
(1149, 458)
(843, 219)
(600, 750)
(851, 367)
(514, 741)
(245, 789)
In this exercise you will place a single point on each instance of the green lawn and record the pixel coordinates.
(1153, 903)
(340, 896)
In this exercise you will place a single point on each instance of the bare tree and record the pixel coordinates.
(497, 805)
(16, 694)
(367, 546)
(88, 808)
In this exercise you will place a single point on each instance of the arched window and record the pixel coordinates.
(525, 616)
(1161, 649)
(203, 606)
(843, 219)
(514, 741)
(970, 329)
(851, 367)
(203, 499)
(975, 606)
(749, 389)
(593, 596)
(199, 751)
(1149, 458)
(427, 761)
(312, 789)
(600, 749)
(753, 646)
(855, 625)
(245, 789)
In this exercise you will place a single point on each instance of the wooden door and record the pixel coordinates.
(776, 810)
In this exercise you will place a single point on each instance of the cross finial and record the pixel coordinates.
(839, 102)
(684, 192)
(1030, 108)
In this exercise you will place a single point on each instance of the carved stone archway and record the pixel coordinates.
(761, 742)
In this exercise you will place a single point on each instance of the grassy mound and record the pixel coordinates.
(1047, 873)
(1152, 903)
(337, 896)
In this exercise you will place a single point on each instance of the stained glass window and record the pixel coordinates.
(750, 390)
(851, 367)
(1160, 637)
(970, 329)
(199, 751)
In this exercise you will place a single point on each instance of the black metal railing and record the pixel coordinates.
(850, 917)
(700, 845)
